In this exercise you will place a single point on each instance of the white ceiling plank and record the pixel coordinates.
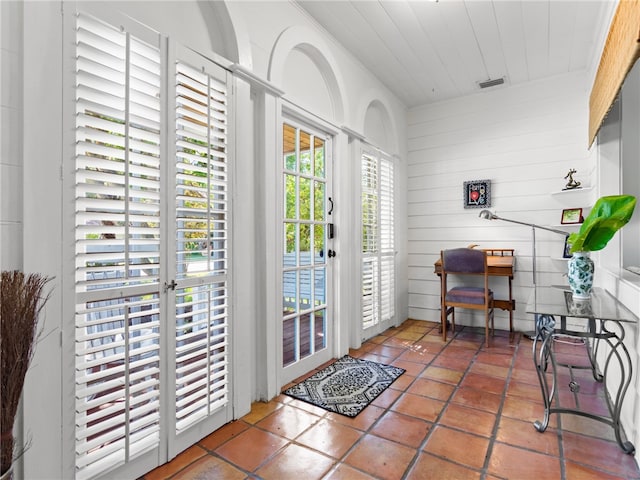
(462, 32)
(393, 39)
(536, 34)
(485, 28)
(588, 26)
(562, 20)
(511, 31)
(350, 29)
(426, 52)
(431, 71)
(431, 19)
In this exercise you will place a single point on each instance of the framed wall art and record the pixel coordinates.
(571, 215)
(477, 194)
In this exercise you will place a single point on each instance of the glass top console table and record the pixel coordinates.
(601, 322)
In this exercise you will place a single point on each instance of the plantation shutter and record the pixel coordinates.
(202, 227)
(370, 234)
(117, 185)
(378, 247)
(387, 241)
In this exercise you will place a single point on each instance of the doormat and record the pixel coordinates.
(346, 386)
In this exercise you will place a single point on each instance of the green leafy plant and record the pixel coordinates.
(607, 216)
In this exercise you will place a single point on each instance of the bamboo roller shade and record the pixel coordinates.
(620, 52)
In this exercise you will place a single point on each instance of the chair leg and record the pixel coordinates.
(486, 327)
(443, 321)
(453, 321)
(444, 324)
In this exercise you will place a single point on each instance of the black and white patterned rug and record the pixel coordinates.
(346, 386)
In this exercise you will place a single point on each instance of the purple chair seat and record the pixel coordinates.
(473, 295)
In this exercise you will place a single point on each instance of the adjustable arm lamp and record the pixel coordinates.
(486, 214)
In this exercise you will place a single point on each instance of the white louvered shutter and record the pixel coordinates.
(387, 241)
(378, 248)
(202, 243)
(370, 270)
(117, 328)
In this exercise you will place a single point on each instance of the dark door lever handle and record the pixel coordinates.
(331, 253)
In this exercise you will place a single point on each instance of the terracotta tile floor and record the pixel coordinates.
(461, 411)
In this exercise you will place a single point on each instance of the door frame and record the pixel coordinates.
(287, 111)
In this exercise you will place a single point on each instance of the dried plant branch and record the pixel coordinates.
(21, 301)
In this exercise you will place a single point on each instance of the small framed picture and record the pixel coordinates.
(477, 194)
(567, 248)
(571, 215)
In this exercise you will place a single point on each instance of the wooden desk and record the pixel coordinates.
(501, 263)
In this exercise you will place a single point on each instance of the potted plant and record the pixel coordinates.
(608, 215)
(21, 300)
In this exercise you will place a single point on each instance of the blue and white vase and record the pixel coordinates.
(581, 275)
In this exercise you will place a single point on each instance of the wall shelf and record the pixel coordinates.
(572, 191)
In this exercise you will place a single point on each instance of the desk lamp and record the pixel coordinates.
(487, 215)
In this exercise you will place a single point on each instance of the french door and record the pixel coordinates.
(198, 293)
(378, 243)
(307, 255)
(152, 322)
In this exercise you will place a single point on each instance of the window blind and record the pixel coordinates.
(117, 184)
(370, 265)
(202, 210)
(387, 241)
(378, 247)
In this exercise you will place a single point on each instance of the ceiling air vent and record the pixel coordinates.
(491, 83)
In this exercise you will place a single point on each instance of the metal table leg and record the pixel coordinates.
(543, 356)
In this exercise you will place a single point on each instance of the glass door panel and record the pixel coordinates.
(304, 279)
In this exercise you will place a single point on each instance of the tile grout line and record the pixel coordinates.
(340, 460)
(389, 409)
(420, 448)
(496, 426)
(386, 410)
(516, 356)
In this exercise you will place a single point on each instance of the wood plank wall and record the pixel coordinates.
(522, 138)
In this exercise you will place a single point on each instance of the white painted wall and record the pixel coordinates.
(281, 38)
(617, 173)
(524, 139)
(246, 33)
(11, 158)
(11, 167)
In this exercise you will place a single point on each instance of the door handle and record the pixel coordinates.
(331, 253)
